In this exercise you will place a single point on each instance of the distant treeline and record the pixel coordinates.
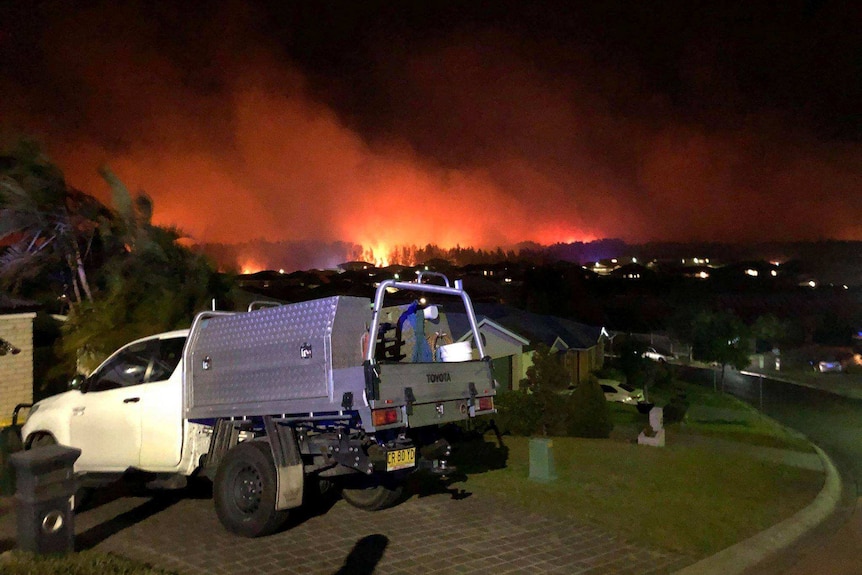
(831, 260)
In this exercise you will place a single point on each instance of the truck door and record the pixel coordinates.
(162, 408)
(130, 412)
(106, 425)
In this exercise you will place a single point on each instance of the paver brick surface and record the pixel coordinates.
(433, 534)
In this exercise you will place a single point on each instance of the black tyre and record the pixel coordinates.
(373, 498)
(244, 491)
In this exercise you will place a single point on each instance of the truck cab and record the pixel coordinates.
(126, 415)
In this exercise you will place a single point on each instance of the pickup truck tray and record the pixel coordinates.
(288, 359)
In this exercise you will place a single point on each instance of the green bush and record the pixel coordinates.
(518, 412)
(528, 413)
(584, 413)
(676, 408)
(588, 412)
(662, 376)
(555, 413)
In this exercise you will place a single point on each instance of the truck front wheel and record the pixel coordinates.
(373, 498)
(244, 491)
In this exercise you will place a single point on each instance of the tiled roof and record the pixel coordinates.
(534, 327)
(9, 304)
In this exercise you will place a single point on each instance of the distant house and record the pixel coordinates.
(506, 349)
(356, 266)
(511, 335)
(633, 272)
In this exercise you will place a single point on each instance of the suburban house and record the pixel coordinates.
(511, 335)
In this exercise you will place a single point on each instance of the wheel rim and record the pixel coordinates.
(248, 489)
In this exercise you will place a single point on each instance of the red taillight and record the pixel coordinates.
(386, 416)
(486, 403)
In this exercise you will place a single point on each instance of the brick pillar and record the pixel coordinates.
(16, 370)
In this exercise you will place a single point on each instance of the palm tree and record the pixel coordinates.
(148, 282)
(44, 222)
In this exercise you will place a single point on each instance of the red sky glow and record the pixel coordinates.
(479, 131)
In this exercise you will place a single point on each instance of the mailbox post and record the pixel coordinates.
(43, 498)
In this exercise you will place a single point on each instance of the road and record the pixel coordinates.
(834, 423)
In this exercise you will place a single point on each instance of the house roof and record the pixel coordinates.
(530, 326)
(9, 304)
(489, 322)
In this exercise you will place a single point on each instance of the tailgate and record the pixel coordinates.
(434, 393)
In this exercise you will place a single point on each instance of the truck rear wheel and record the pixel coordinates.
(373, 498)
(244, 491)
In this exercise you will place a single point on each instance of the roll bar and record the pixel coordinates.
(446, 289)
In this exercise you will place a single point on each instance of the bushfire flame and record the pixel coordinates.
(466, 143)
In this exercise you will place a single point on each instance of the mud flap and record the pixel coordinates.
(290, 482)
(288, 464)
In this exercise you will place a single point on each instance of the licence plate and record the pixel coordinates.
(400, 459)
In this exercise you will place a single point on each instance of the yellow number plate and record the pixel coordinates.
(400, 459)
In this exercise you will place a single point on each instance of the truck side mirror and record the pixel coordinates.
(77, 382)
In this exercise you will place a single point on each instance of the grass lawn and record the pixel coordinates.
(685, 497)
(83, 563)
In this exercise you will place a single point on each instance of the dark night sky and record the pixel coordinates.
(479, 122)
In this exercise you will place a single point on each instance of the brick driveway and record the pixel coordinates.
(444, 532)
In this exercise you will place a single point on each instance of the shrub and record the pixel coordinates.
(518, 412)
(541, 412)
(663, 376)
(555, 413)
(588, 412)
(547, 371)
(676, 408)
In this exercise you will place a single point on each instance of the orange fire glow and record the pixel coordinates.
(380, 255)
(472, 157)
(295, 172)
(251, 267)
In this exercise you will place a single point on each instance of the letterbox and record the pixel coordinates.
(45, 484)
